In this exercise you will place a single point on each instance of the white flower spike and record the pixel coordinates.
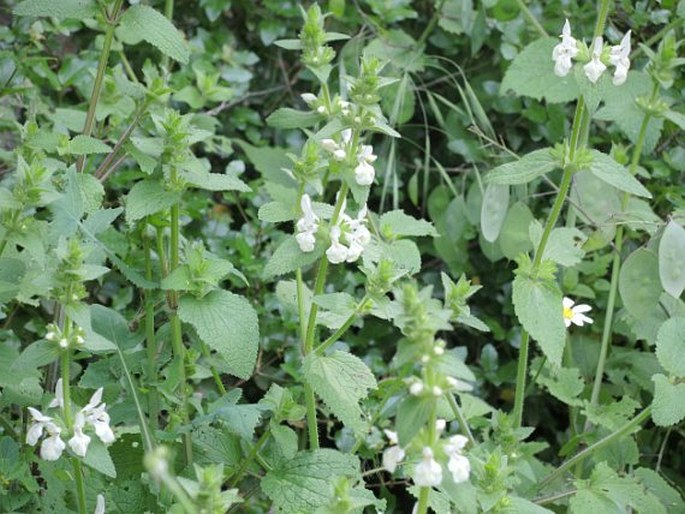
(564, 52)
(427, 473)
(594, 69)
(575, 313)
(619, 56)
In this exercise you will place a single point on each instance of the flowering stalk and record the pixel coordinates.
(176, 330)
(150, 341)
(581, 122)
(65, 363)
(424, 492)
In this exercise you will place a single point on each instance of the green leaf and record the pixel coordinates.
(538, 306)
(565, 384)
(412, 414)
(60, 9)
(342, 381)
(270, 162)
(228, 324)
(607, 169)
(532, 74)
(288, 257)
(397, 223)
(670, 346)
(97, 457)
(303, 483)
(112, 326)
(148, 197)
(623, 109)
(69, 209)
(639, 283)
(155, 28)
(516, 505)
(286, 439)
(672, 259)
(493, 210)
(215, 181)
(514, 238)
(83, 317)
(287, 118)
(564, 245)
(612, 415)
(84, 145)
(12, 271)
(668, 407)
(522, 171)
(656, 485)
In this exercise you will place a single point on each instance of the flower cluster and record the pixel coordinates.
(55, 335)
(596, 61)
(575, 313)
(307, 225)
(364, 172)
(428, 471)
(93, 414)
(352, 232)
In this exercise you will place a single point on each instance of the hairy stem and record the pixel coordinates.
(343, 328)
(100, 75)
(150, 342)
(532, 19)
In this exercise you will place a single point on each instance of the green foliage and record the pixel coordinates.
(141, 22)
(671, 258)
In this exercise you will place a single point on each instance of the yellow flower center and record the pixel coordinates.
(568, 313)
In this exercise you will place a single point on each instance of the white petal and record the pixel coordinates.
(336, 253)
(38, 415)
(94, 400)
(52, 448)
(416, 388)
(567, 302)
(460, 467)
(34, 433)
(583, 307)
(346, 135)
(104, 432)
(308, 99)
(392, 436)
(392, 456)
(99, 504)
(427, 473)
(306, 241)
(459, 441)
(79, 442)
(354, 251)
(329, 145)
(594, 69)
(364, 174)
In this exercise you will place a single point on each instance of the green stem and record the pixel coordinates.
(100, 75)
(343, 328)
(308, 344)
(522, 367)
(431, 24)
(176, 330)
(616, 266)
(602, 18)
(65, 363)
(150, 342)
(251, 457)
(463, 423)
(617, 434)
(532, 19)
(215, 374)
(424, 492)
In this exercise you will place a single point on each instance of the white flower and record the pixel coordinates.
(95, 414)
(339, 154)
(346, 135)
(80, 340)
(619, 56)
(459, 466)
(416, 388)
(595, 68)
(392, 455)
(307, 225)
(63, 343)
(306, 241)
(52, 446)
(321, 109)
(58, 401)
(564, 52)
(437, 391)
(364, 174)
(40, 422)
(329, 145)
(440, 425)
(575, 313)
(99, 504)
(354, 251)
(79, 442)
(51, 336)
(366, 154)
(337, 252)
(308, 98)
(427, 473)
